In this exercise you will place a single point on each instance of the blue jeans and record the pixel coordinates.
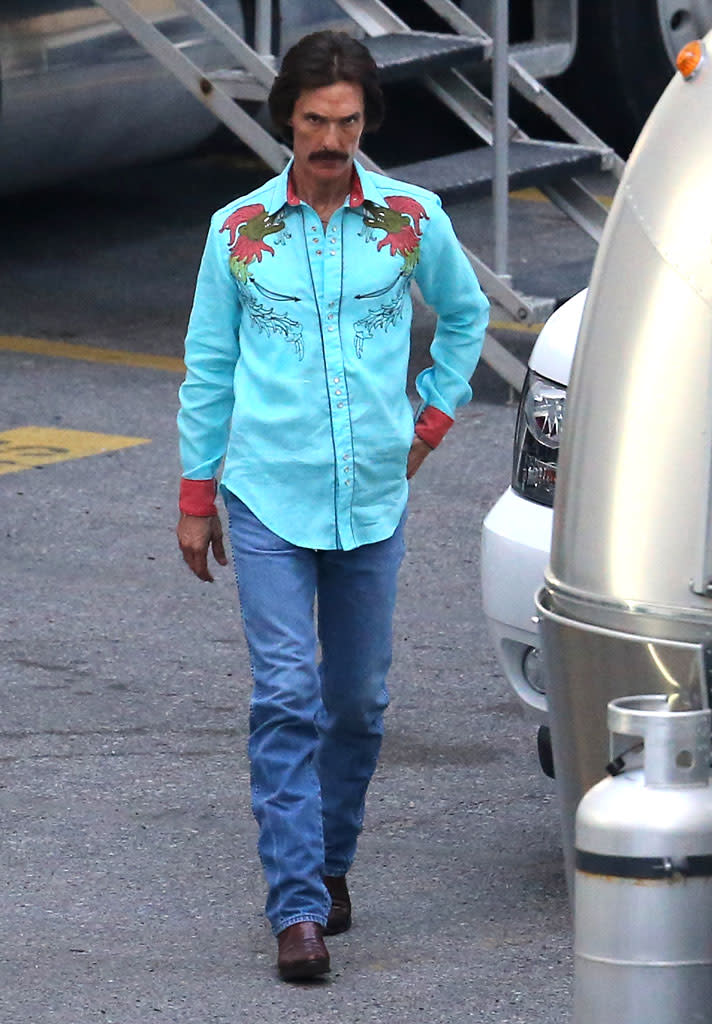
(315, 731)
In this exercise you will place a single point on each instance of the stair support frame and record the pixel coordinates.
(197, 82)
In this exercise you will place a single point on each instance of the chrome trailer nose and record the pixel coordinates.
(627, 606)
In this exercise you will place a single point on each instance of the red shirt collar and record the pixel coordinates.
(355, 195)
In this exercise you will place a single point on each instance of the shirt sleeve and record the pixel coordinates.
(432, 425)
(211, 353)
(197, 497)
(450, 286)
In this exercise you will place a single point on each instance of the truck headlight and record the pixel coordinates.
(537, 437)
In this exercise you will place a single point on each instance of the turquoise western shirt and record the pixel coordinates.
(297, 353)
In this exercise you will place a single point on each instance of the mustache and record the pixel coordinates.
(329, 154)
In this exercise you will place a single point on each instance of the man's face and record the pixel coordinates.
(327, 124)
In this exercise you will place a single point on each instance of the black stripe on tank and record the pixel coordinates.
(651, 868)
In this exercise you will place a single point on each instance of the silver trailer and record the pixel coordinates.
(77, 94)
(627, 606)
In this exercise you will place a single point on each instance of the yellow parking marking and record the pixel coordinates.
(534, 195)
(28, 447)
(514, 325)
(66, 350)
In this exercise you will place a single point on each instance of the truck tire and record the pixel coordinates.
(545, 751)
(625, 59)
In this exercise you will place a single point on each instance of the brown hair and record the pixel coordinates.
(324, 58)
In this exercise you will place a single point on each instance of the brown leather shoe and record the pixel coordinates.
(340, 914)
(302, 953)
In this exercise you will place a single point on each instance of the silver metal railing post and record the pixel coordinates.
(263, 27)
(500, 99)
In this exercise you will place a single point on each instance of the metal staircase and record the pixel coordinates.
(448, 65)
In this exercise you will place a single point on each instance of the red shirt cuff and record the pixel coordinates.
(432, 425)
(197, 497)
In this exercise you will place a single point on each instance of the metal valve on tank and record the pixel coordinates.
(643, 879)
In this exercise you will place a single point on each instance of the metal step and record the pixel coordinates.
(403, 55)
(542, 60)
(469, 174)
(399, 56)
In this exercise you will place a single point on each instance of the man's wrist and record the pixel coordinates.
(419, 443)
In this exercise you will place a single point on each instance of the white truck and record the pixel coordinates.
(516, 533)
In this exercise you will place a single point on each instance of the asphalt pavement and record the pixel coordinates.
(131, 889)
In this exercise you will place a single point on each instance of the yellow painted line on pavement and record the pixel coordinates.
(532, 195)
(535, 195)
(89, 353)
(171, 364)
(29, 447)
(514, 325)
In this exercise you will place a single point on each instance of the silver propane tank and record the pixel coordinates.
(643, 880)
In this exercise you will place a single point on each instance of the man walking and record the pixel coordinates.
(297, 354)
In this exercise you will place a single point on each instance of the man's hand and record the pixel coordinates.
(196, 534)
(416, 456)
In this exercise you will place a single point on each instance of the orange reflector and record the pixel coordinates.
(690, 57)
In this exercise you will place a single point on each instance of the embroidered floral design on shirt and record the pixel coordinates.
(268, 321)
(400, 220)
(248, 227)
